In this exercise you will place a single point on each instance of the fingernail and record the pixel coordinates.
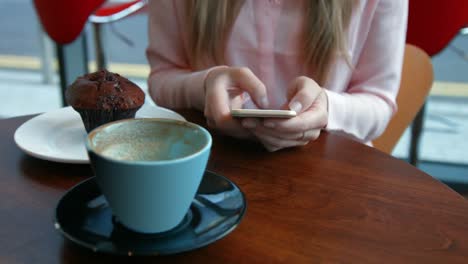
(269, 124)
(264, 102)
(295, 106)
(249, 123)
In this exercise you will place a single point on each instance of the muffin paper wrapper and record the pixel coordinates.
(94, 118)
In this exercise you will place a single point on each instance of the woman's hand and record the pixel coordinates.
(230, 87)
(310, 102)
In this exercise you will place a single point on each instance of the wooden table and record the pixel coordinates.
(334, 201)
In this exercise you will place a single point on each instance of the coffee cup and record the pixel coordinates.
(149, 169)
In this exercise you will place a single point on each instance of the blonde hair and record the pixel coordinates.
(211, 22)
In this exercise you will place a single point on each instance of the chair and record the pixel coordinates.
(416, 82)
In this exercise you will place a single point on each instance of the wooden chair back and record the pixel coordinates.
(416, 82)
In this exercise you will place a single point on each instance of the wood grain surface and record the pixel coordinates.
(334, 200)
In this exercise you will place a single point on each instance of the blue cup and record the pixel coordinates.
(149, 170)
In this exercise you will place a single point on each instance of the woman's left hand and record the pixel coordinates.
(310, 102)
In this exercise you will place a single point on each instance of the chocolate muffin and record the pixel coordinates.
(102, 97)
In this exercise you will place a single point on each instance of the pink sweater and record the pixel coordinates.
(265, 38)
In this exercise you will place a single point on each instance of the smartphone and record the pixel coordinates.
(263, 113)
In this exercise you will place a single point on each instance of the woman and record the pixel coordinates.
(335, 62)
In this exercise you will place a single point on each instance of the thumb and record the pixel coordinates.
(302, 92)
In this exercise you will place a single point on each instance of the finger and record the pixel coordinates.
(275, 143)
(308, 120)
(217, 100)
(231, 128)
(270, 148)
(308, 135)
(302, 93)
(247, 81)
(217, 112)
(236, 102)
(275, 133)
(250, 123)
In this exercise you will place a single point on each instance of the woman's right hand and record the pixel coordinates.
(227, 88)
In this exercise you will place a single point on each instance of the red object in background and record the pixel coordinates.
(64, 20)
(432, 24)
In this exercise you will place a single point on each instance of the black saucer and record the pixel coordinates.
(84, 217)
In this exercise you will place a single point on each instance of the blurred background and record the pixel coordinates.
(29, 83)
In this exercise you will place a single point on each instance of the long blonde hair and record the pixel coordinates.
(211, 22)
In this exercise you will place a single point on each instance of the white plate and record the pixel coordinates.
(59, 135)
